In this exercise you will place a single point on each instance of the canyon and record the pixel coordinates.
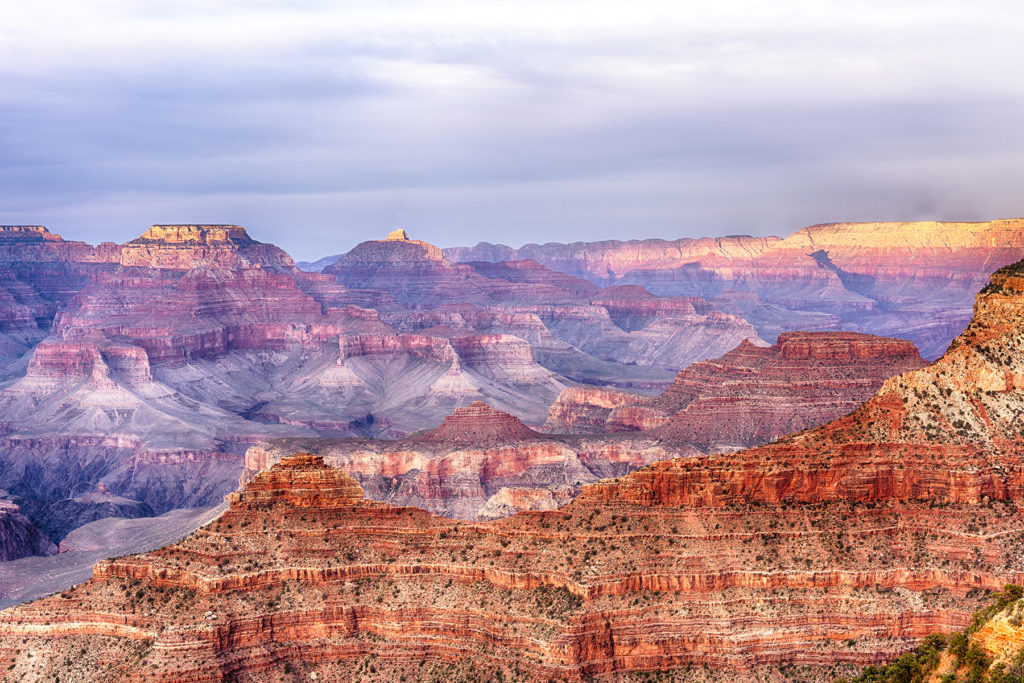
(913, 280)
(163, 359)
(481, 463)
(810, 557)
(146, 377)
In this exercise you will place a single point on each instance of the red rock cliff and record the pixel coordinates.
(750, 395)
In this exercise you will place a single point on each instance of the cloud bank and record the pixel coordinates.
(318, 125)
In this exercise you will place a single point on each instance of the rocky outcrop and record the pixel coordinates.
(585, 410)
(1001, 637)
(301, 481)
(755, 395)
(185, 247)
(511, 500)
(415, 273)
(480, 425)
(415, 345)
(749, 396)
(479, 463)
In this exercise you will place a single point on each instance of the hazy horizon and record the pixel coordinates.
(317, 127)
(515, 245)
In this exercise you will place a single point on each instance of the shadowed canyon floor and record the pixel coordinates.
(840, 545)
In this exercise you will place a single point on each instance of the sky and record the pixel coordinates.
(318, 125)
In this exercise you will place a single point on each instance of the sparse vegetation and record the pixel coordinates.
(957, 658)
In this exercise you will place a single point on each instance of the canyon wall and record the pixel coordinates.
(478, 462)
(915, 280)
(18, 536)
(749, 396)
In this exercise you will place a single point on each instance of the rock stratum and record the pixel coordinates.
(749, 396)
(149, 368)
(135, 377)
(913, 280)
(827, 550)
(481, 463)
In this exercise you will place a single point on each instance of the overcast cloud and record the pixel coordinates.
(318, 126)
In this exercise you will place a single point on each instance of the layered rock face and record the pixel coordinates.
(384, 383)
(166, 357)
(750, 395)
(837, 546)
(580, 329)
(949, 433)
(1002, 639)
(586, 410)
(484, 463)
(478, 424)
(93, 409)
(915, 280)
(414, 272)
(479, 463)
(113, 397)
(418, 275)
(39, 272)
(542, 283)
(183, 247)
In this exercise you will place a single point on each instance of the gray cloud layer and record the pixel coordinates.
(318, 127)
